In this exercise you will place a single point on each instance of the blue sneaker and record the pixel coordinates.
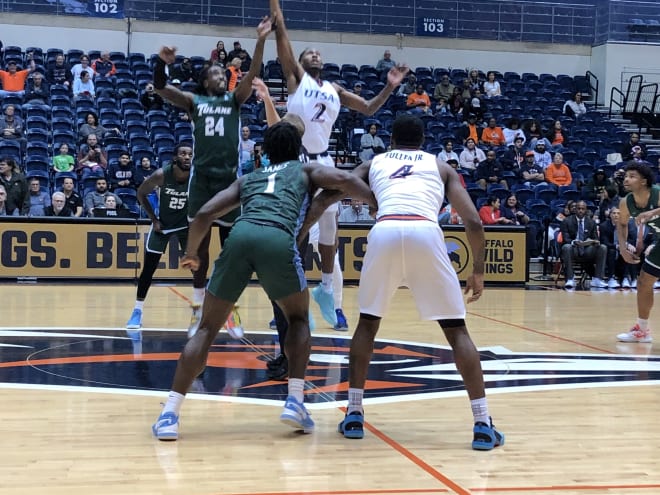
(352, 426)
(296, 416)
(166, 427)
(342, 324)
(311, 320)
(272, 324)
(135, 321)
(326, 303)
(486, 437)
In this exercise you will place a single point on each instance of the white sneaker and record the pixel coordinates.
(598, 283)
(569, 284)
(626, 283)
(613, 284)
(636, 334)
(633, 284)
(656, 285)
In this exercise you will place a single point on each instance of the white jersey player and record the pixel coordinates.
(318, 103)
(406, 248)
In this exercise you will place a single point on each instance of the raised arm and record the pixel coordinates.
(272, 117)
(180, 99)
(244, 88)
(369, 107)
(293, 71)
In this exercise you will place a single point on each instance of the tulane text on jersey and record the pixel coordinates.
(206, 109)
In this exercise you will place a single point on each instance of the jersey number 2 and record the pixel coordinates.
(211, 127)
(318, 116)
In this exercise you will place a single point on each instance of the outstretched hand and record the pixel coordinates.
(190, 262)
(260, 88)
(474, 283)
(264, 28)
(168, 54)
(396, 74)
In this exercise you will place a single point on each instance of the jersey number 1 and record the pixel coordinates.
(270, 188)
(211, 127)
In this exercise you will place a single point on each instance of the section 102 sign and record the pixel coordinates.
(431, 26)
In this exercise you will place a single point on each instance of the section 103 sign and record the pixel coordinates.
(431, 26)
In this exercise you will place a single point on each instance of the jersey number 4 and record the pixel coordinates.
(212, 128)
(402, 172)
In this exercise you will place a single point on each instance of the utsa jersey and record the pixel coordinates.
(407, 182)
(318, 105)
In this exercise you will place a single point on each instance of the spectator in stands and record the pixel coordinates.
(83, 87)
(448, 152)
(442, 108)
(575, 107)
(245, 147)
(234, 53)
(491, 86)
(219, 49)
(627, 150)
(63, 162)
(355, 119)
(490, 213)
(514, 157)
(150, 99)
(475, 81)
(638, 155)
(142, 172)
(558, 172)
(443, 88)
(11, 125)
(557, 137)
(104, 66)
(77, 70)
(73, 199)
(92, 158)
(37, 90)
(92, 126)
(385, 64)
(59, 208)
(492, 135)
(222, 59)
(596, 187)
(96, 198)
(60, 73)
(457, 105)
(185, 72)
(234, 73)
(541, 157)
(246, 60)
(580, 242)
(453, 163)
(371, 144)
(512, 209)
(533, 132)
(530, 172)
(409, 86)
(18, 194)
(512, 130)
(475, 105)
(608, 201)
(608, 238)
(490, 172)
(355, 213)
(470, 130)
(4, 212)
(471, 156)
(466, 91)
(39, 199)
(122, 173)
(419, 101)
(13, 80)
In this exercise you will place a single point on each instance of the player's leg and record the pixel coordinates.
(648, 276)
(323, 294)
(155, 247)
(233, 323)
(278, 368)
(199, 284)
(338, 294)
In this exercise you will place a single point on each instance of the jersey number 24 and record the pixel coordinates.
(212, 128)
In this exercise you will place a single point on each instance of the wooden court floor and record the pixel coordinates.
(580, 412)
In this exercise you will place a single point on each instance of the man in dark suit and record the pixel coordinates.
(580, 243)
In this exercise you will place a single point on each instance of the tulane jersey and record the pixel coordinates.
(651, 205)
(172, 201)
(216, 121)
(318, 105)
(276, 195)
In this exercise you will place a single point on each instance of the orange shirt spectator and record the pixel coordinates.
(234, 74)
(493, 135)
(14, 80)
(419, 99)
(558, 172)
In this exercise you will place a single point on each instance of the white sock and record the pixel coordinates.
(139, 305)
(198, 296)
(174, 402)
(296, 387)
(355, 400)
(326, 282)
(480, 411)
(643, 324)
(337, 284)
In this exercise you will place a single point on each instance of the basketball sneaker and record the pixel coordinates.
(486, 437)
(233, 324)
(135, 321)
(166, 427)
(636, 334)
(272, 324)
(278, 368)
(195, 319)
(296, 415)
(326, 303)
(342, 324)
(352, 426)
